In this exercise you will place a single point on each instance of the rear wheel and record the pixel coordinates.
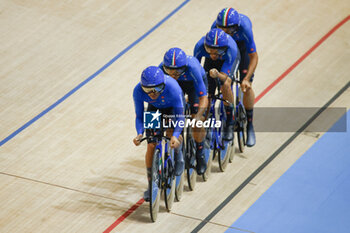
(241, 128)
(223, 156)
(179, 181)
(231, 151)
(191, 178)
(155, 186)
(223, 144)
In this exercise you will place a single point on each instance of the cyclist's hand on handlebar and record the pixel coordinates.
(174, 142)
(137, 140)
(245, 85)
(213, 73)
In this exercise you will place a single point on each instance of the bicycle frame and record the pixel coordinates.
(239, 95)
(164, 177)
(216, 134)
(189, 151)
(218, 145)
(163, 157)
(240, 116)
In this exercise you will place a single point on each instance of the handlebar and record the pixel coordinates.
(150, 137)
(217, 97)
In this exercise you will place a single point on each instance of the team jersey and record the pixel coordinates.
(171, 97)
(244, 33)
(195, 73)
(228, 57)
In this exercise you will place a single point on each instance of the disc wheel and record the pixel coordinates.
(169, 181)
(190, 154)
(155, 191)
(241, 128)
(179, 186)
(223, 156)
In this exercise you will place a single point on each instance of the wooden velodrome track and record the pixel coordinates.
(71, 166)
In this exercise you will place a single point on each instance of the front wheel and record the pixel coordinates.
(190, 157)
(155, 186)
(169, 182)
(223, 156)
(191, 178)
(180, 180)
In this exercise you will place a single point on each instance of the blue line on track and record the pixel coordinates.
(26, 125)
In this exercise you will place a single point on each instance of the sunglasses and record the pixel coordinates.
(229, 30)
(174, 71)
(154, 89)
(215, 51)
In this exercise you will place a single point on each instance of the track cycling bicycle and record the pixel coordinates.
(240, 118)
(214, 138)
(162, 173)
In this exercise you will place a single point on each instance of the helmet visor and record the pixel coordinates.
(215, 50)
(148, 90)
(229, 29)
(177, 72)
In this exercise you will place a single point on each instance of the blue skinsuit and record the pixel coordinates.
(171, 97)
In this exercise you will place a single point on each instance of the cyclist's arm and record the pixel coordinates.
(252, 65)
(139, 108)
(197, 72)
(222, 76)
(251, 49)
(227, 68)
(203, 104)
(179, 114)
(201, 90)
(198, 50)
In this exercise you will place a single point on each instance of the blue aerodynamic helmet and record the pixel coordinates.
(152, 79)
(216, 38)
(228, 20)
(228, 17)
(175, 58)
(175, 62)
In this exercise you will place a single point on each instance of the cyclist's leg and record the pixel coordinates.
(188, 88)
(248, 96)
(226, 89)
(197, 133)
(208, 65)
(178, 155)
(228, 95)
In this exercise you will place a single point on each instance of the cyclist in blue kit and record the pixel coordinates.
(162, 93)
(221, 53)
(239, 27)
(192, 79)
